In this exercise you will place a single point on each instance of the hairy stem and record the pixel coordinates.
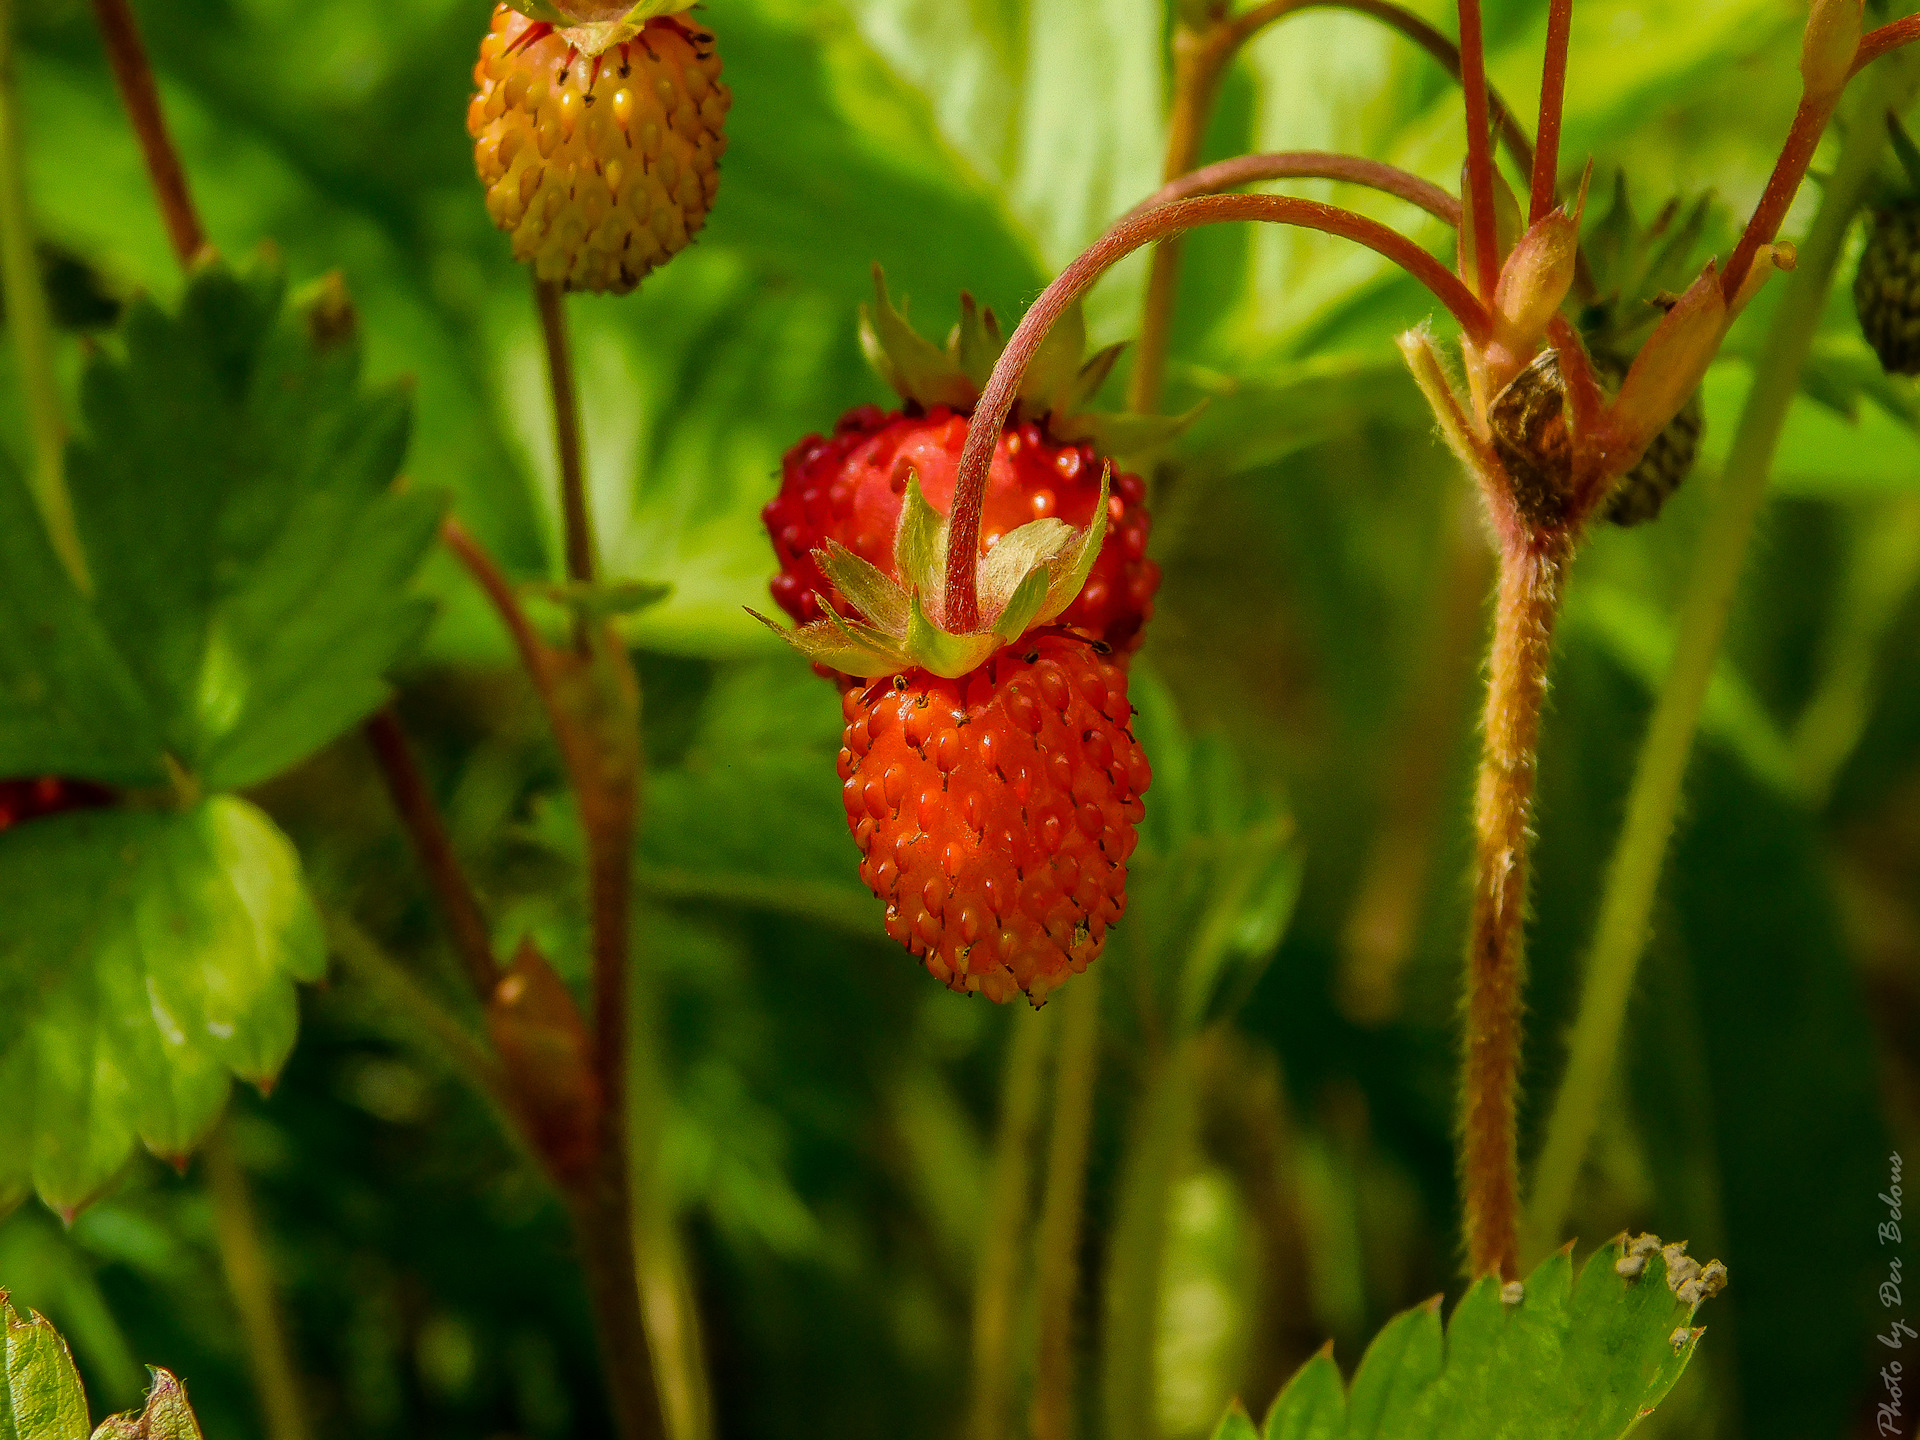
(1201, 59)
(26, 310)
(551, 299)
(133, 76)
(1127, 235)
(1479, 196)
(243, 1256)
(1633, 874)
(997, 1281)
(1058, 1282)
(1553, 97)
(1531, 573)
(413, 802)
(1305, 165)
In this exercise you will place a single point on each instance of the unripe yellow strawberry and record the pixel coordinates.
(600, 167)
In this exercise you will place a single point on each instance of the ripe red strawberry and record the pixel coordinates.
(995, 812)
(599, 145)
(849, 488)
(24, 800)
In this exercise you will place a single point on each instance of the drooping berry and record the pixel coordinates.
(995, 812)
(1886, 289)
(849, 487)
(24, 800)
(600, 166)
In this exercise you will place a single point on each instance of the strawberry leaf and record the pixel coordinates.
(1566, 1359)
(40, 1395)
(167, 1415)
(147, 957)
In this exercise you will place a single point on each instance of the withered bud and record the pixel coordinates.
(1528, 424)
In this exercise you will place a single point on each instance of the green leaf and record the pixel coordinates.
(148, 956)
(40, 1395)
(1565, 1360)
(167, 1416)
(1235, 1425)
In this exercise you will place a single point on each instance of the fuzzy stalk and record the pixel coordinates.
(133, 77)
(962, 611)
(1532, 571)
(1553, 97)
(27, 318)
(1058, 1282)
(997, 1280)
(243, 1256)
(1639, 854)
(433, 848)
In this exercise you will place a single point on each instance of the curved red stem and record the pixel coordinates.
(1553, 98)
(1307, 165)
(1890, 36)
(1129, 234)
(1788, 171)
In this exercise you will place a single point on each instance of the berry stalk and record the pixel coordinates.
(1639, 854)
(133, 77)
(1126, 236)
(1531, 574)
(1553, 97)
(26, 311)
(550, 297)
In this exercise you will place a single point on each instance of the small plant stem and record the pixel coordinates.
(1201, 58)
(1479, 196)
(1887, 38)
(26, 302)
(1058, 1281)
(997, 1281)
(134, 78)
(551, 300)
(413, 802)
(1553, 98)
(1633, 873)
(1304, 165)
(1809, 121)
(962, 611)
(243, 1256)
(1528, 600)
(493, 582)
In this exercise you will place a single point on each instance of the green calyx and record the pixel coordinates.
(1637, 269)
(596, 25)
(1025, 580)
(1061, 379)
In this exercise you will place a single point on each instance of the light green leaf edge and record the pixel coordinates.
(41, 1397)
(1566, 1359)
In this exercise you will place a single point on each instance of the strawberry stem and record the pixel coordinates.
(551, 299)
(1479, 196)
(1890, 36)
(1306, 165)
(1531, 573)
(133, 77)
(962, 614)
(1809, 120)
(1553, 96)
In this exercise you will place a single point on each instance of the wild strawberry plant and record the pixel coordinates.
(308, 677)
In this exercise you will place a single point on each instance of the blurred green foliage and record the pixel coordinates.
(824, 1111)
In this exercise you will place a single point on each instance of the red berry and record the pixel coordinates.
(995, 813)
(849, 487)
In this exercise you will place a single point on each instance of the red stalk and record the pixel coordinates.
(962, 612)
(1473, 82)
(1788, 171)
(1890, 36)
(1553, 98)
(1307, 165)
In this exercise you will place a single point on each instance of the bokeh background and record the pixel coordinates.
(826, 1113)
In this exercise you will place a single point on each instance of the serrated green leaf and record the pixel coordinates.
(147, 957)
(866, 587)
(1049, 382)
(167, 1415)
(1567, 1360)
(916, 367)
(920, 544)
(40, 1395)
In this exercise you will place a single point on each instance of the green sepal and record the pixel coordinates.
(1048, 384)
(1029, 596)
(1073, 568)
(591, 600)
(1124, 433)
(865, 587)
(1672, 266)
(914, 366)
(940, 652)
(839, 644)
(1093, 375)
(920, 544)
(596, 25)
(1014, 559)
(976, 342)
